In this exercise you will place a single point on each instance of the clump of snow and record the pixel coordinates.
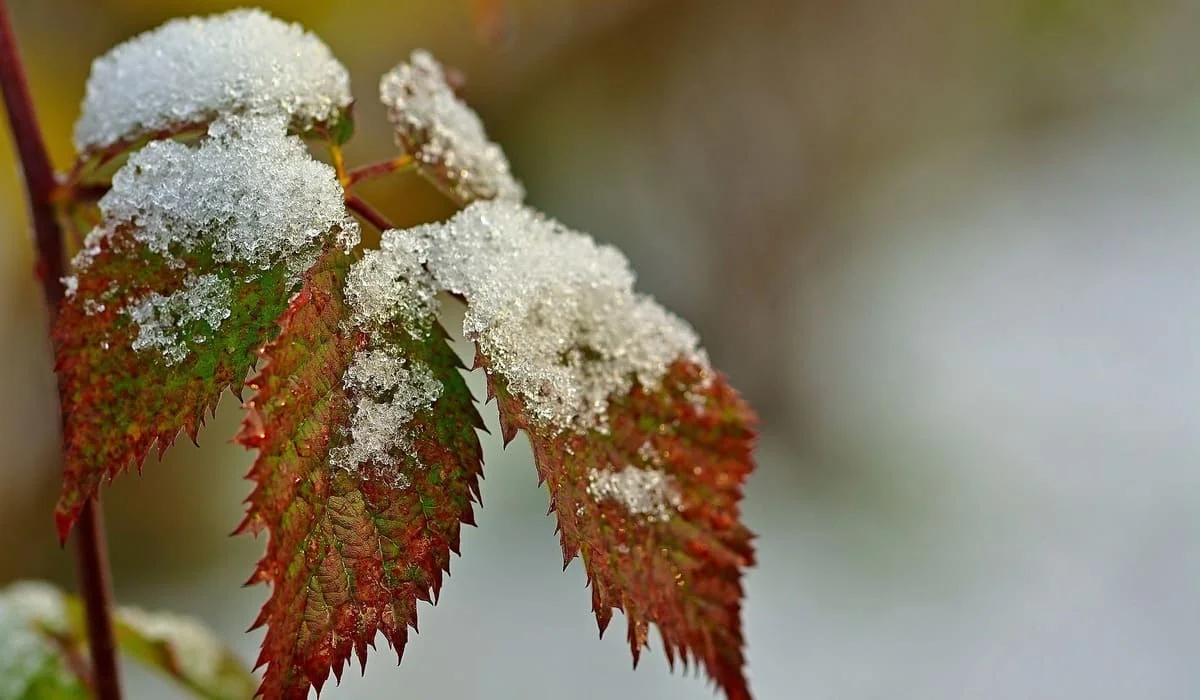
(389, 284)
(391, 390)
(554, 312)
(443, 134)
(249, 192)
(248, 195)
(164, 321)
(643, 492)
(190, 70)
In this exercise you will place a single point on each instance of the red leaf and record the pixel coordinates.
(350, 551)
(652, 507)
(120, 403)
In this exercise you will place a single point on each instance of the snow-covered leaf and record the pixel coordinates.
(191, 70)
(443, 134)
(644, 447)
(199, 250)
(368, 464)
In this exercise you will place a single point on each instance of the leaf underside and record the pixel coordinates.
(120, 403)
(349, 553)
(681, 572)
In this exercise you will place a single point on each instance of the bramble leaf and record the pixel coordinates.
(361, 484)
(198, 253)
(644, 446)
(651, 505)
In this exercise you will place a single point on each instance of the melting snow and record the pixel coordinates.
(190, 70)
(443, 134)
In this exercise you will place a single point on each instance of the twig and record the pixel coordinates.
(367, 172)
(91, 553)
(357, 205)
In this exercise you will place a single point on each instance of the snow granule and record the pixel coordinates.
(389, 285)
(249, 192)
(643, 492)
(443, 134)
(168, 323)
(390, 392)
(191, 70)
(554, 312)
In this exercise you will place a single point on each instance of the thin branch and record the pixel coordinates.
(359, 206)
(40, 183)
(387, 167)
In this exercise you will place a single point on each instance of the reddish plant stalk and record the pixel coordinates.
(374, 170)
(91, 553)
(359, 206)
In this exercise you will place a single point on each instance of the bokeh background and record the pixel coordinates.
(950, 250)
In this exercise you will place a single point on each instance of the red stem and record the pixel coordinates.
(359, 206)
(380, 169)
(91, 554)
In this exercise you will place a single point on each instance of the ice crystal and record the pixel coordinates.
(554, 312)
(389, 284)
(443, 134)
(249, 192)
(190, 70)
(169, 323)
(644, 492)
(390, 391)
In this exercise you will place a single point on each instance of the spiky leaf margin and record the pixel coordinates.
(119, 403)
(681, 571)
(349, 555)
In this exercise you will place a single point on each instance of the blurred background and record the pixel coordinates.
(950, 251)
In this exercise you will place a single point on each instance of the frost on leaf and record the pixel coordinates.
(190, 70)
(443, 134)
(199, 250)
(644, 447)
(368, 464)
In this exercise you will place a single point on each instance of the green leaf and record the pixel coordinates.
(199, 250)
(185, 650)
(352, 547)
(119, 403)
(39, 659)
(43, 648)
